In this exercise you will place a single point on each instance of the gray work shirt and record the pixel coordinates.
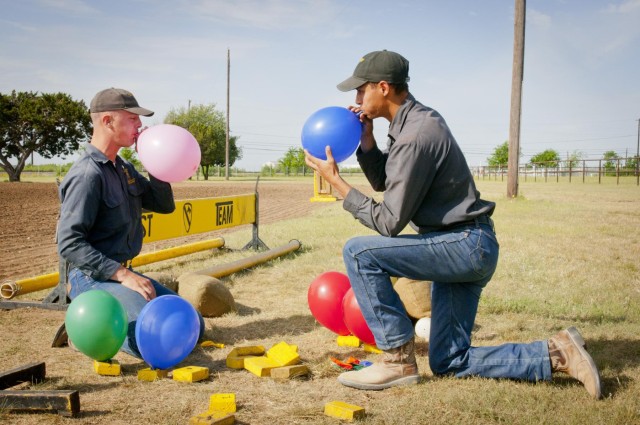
(100, 216)
(423, 173)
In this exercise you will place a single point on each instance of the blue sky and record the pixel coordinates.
(581, 90)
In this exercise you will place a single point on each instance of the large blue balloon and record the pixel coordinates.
(333, 126)
(167, 330)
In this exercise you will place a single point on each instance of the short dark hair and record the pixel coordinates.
(400, 87)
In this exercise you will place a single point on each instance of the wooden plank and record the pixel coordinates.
(65, 402)
(33, 372)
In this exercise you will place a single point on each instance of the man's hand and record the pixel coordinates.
(328, 169)
(367, 141)
(135, 282)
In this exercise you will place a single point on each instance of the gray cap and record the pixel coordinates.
(378, 66)
(117, 100)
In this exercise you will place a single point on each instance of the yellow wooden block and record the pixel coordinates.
(253, 350)
(371, 349)
(348, 341)
(288, 372)
(235, 359)
(283, 354)
(342, 410)
(212, 418)
(107, 368)
(222, 403)
(151, 375)
(259, 366)
(190, 374)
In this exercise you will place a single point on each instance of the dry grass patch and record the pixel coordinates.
(569, 257)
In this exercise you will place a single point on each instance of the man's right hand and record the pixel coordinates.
(135, 282)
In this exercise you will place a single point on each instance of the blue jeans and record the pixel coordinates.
(132, 302)
(460, 262)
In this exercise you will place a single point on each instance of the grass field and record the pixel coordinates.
(569, 256)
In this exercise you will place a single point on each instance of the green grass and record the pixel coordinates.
(569, 256)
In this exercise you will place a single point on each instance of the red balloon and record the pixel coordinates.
(354, 319)
(325, 300)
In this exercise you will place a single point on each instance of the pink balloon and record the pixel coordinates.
(325, 300)
(354, 319)
(169, 152)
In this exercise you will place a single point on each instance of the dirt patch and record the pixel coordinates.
(30, 211)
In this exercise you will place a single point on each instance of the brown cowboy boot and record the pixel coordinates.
(568, 355)
(398, 367)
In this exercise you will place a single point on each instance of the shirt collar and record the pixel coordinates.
(97, 155)
(401, 116)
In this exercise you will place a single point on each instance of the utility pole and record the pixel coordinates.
(516, 99)
(226, 144)
(638, 156)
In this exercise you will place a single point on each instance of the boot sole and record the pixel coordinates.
(406, 380)
(577, 339)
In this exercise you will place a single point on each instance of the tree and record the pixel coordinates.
(573, 160)
(610, 160)
(548, 159)
(500, 156)
(293, 159)
(208, 126)
(49, 124)
(131, 156)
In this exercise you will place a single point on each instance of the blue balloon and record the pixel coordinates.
(167, 330)
(333, 126)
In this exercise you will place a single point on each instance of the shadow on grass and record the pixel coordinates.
(261, 329)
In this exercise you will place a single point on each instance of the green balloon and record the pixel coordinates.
(96, 324)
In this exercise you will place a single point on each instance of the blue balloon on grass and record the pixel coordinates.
(167, 330)
(332, 126)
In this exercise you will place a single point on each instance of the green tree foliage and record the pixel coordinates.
(574, 159)
(208, 126)
(610, 161)
(500, 156)
(292, 160)
(548, 158)
(131, 156)
(49, 124)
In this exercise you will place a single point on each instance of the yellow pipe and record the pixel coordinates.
(235, 266)
(9, 290)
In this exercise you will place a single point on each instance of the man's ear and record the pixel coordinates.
(384, 87)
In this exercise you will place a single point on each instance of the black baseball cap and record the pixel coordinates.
(382, 65)
(117, 100)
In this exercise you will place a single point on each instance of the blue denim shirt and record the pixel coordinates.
(100, 215)
(424, 175)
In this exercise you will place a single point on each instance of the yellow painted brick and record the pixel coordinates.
(342, 410)
(348, 341)
(222, 402)
(190, 374)
(235, 359)
(288, 372)
(107, 368)
(253, 350)
(283, 354)
(237, 362)
(212, 418)
(259, 366)
(150, 375)
(371, 349)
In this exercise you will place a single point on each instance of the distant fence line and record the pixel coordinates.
(583, 170)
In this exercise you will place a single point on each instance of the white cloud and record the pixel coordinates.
(538, 19)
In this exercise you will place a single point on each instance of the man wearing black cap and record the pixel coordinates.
(427, 185)
(100, 229)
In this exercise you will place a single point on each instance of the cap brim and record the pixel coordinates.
(351, 83)
(140, 111)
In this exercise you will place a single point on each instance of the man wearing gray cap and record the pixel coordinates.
(100, 229)
(428, 185)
